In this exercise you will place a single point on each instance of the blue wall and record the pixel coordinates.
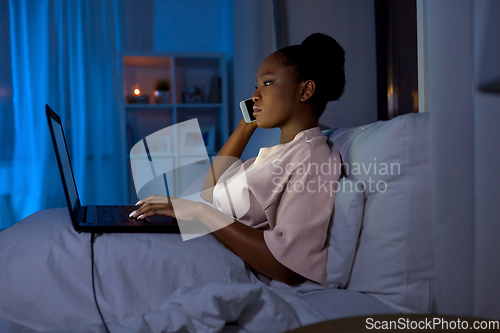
(194, 26)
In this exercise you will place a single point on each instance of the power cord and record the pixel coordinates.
(92, 240)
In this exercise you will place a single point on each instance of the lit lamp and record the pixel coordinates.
(136, 91)
(137, 96)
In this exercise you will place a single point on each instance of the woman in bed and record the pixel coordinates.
(290, 188)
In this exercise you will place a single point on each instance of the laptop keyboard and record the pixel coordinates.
(116, 215)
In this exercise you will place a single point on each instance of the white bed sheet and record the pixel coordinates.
(144, 283)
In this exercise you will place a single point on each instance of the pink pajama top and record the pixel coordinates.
(291, 189)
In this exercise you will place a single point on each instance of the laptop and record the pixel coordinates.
(98, 219)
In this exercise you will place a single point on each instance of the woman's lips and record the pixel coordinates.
(256, 110)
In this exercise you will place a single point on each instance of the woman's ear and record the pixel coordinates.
(308, 88)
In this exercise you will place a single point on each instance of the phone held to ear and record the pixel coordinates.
(246, 107)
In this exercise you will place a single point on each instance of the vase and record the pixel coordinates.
(162, 96)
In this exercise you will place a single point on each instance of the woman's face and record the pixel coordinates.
(277, 95)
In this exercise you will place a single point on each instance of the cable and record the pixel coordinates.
(92, 240)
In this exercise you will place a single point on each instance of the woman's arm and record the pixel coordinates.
(230, 152)
(246, 242)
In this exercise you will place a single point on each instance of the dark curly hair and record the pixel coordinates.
(321, 59)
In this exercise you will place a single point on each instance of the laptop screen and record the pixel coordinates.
(65, 166)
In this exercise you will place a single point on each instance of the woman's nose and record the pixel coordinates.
(256, 96)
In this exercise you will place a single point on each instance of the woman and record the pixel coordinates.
(283, 234)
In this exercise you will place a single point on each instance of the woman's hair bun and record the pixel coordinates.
(325, 62)
(319, 41)
(321, 59)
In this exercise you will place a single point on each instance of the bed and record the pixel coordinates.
(380, 259)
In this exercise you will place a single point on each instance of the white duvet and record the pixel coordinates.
(144, 283)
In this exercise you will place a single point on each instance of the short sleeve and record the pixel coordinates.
(298, 240)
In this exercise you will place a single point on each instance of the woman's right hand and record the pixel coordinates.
(238, 140)
(180, 209)
(231, 151)
(252, 125)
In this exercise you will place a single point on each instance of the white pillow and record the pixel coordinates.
(344, 232)
(394, 259)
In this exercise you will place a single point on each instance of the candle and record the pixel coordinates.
(136, 91)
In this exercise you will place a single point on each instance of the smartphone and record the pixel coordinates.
(246, 107)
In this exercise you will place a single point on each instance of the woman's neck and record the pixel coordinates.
(289, 131)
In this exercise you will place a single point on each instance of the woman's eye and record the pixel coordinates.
(267, 83)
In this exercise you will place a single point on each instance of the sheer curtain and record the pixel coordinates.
(65, 54)
(458, 41)
(254, 40)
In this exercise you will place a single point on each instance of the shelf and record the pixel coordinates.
(147, 61)
(134, 107)
(199, 105)
(198, 90)
(181, 105)
(172, 155)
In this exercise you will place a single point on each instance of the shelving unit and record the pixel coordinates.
(198, 90)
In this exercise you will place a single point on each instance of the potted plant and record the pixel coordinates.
(162, 92)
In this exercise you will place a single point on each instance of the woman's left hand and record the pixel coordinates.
(169, 206)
